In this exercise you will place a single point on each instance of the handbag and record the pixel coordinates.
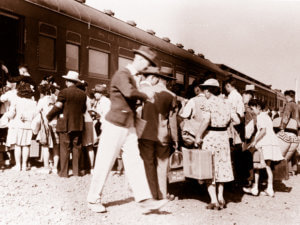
(175, 167)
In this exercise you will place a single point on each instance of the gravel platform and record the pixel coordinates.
(33, 198)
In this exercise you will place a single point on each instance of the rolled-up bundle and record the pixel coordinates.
(289, 143)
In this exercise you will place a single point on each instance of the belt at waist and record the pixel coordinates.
(217, 128)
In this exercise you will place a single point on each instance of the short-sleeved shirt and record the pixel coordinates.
(237, 103)
(270, 138)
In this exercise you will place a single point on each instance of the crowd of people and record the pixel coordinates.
(141, 121)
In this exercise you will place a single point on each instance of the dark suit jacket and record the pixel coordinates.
(123, 97)
(160, 116)
(74, 106)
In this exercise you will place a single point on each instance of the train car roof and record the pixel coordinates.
(245, 77)
(99, 19)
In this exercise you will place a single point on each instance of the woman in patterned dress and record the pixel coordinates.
(217, 116)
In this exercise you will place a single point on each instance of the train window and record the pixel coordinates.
(46, 52)
(72, 57)
(98, 63)
(124, 62)
(179, 78)
(191, 80)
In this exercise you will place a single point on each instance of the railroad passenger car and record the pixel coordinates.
(54, 36)
(263, 91)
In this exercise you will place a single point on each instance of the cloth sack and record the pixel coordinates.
(140, 125)
(189, 129)
(292, 124)
(44, 132)
(36, 124)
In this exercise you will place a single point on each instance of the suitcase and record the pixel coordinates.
(281, 170)
(197, 164)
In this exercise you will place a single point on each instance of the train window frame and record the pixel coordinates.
(72, 41)
(125, 58)
(178, 81)
(47, 36)
(191, 79)
(78, 57)
(40, 56)
(166, 64)
(98, 75)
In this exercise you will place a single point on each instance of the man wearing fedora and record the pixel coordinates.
(119, 132)
(160, 130)
(71, 106)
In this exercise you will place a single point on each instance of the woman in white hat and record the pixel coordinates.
(217, 115)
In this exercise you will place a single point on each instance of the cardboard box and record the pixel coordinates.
(197, 164)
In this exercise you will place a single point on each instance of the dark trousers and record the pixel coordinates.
(156, 158)
(69, 141)
(242, 164)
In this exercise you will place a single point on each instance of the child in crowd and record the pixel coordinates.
(89, 136)
(23, 110)
(267, 146)
(44, 136)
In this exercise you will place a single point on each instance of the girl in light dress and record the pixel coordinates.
(22, 111)
(266, 143)
(89, 136)
(44, 105)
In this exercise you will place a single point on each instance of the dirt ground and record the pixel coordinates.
(33, 198)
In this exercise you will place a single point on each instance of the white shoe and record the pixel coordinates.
(54, 171)
(269, 192)
(253, 191)
(45, 171)
(97, 207)
(16, 168)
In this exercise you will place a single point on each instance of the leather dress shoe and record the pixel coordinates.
(152, 204)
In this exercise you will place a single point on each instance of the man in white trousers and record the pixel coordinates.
(119, 132)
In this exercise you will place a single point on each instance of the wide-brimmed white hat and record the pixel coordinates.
(211, 82)
(72, 75)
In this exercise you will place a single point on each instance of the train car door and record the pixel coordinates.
(11, 41)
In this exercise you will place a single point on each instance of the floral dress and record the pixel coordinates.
(219, 110)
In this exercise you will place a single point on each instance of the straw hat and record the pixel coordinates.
(72, 75)
(100, 88)
(211, 83)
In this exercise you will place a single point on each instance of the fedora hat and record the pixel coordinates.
(147, 53)
(72, 75)
(166, 72)
(100, 88)
(150, 70)
(211, 82)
